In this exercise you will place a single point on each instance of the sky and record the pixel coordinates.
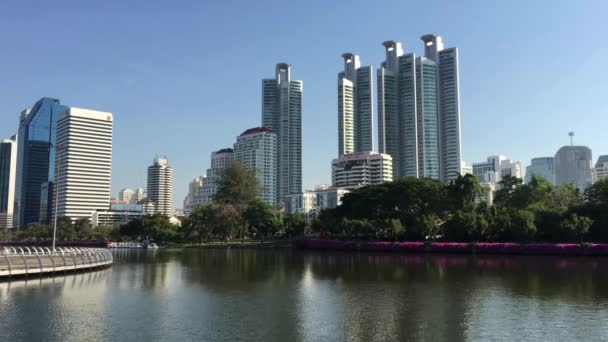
(183, 78)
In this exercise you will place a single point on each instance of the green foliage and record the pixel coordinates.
(295, 225)
(237, 187)
(261, 218)
(510, 224)
(464, 190)
(83, 229)
(467, 225)
(155, 227)
(575, 226)
(65, 229)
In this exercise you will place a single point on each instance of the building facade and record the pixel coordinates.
(362, 168)
(256, 150)
(35, 159)
(83, 167)
(193, 188)
(160, 187)
(126, 195)
(419, 110)
(310, 203)
(219, 162)
(113, 218)
(355, 106)
(282, 113)
(542, 167)
(8, 173)
(573, 166)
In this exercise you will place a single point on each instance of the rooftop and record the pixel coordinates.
(257, 130)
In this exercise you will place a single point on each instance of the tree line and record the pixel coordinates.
(408, 209)
(423, 209)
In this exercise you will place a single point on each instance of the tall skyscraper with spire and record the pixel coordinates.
(282, 113)
(419, 110)
(355, 106)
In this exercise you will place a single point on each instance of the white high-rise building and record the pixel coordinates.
(573, 166)
(355, 106)
(126, 195)
(83, 163)
(160, 187)
(220, 160)
(256, 150)
(491, 172)
(419, 110)
(601, 168)
(361, 168)
(193, 188)
(139, 195)
(8, 174)
(282, 112)
(310, 203)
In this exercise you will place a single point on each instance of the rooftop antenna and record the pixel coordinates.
(571, 134)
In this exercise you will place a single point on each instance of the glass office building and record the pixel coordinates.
(35, 159)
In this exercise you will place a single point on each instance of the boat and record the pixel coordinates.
(152, 246)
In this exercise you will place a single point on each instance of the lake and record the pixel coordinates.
(285, 295)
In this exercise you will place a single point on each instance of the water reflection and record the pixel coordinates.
(247, 295)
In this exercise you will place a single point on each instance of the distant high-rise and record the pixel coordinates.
(573, 166)
(139, 195)
(282, 113)
(126, 195)
(160, 187)
(193, 188)
(355, 106)
(83, 167)
(256, 150)
(419, 110)
(361, 168)
(35, 159)
(8, 170)
(220, 160)
(601, 168)
(542, 167)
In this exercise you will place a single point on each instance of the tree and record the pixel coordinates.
(83, 228)
(295, 225)
(199, 224)
(237, 187)
(575, 227)
(597, 194)
(65, 229)
(510, 224)
(508, 187)
(261, 218)
(464, 190)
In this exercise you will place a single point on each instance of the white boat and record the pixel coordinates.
(152, 246)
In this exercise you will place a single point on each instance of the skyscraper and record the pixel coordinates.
(573, 166)
(355, 106)
(361, 168)
(282, 113)
(419, 110)
(256, 150)
(220, 160)
(8, 170)
(83, 167)
(35, 159)
(543, 167)
(160, 186)
(193, 188)
(126, 195)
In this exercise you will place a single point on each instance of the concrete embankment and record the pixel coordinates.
(34, 261)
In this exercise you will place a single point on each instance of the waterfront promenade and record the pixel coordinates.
(25, 261)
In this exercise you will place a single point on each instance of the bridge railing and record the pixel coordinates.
(40, 260)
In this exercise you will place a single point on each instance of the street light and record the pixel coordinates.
(56, 186)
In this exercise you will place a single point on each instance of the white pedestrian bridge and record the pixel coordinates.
(24, 261)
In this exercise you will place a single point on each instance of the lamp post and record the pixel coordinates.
(56, 186)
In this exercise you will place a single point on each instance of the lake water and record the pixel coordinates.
(249, 295)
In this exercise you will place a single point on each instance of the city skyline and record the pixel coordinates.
(500, 105)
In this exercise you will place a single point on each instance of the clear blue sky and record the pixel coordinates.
(183, 78)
